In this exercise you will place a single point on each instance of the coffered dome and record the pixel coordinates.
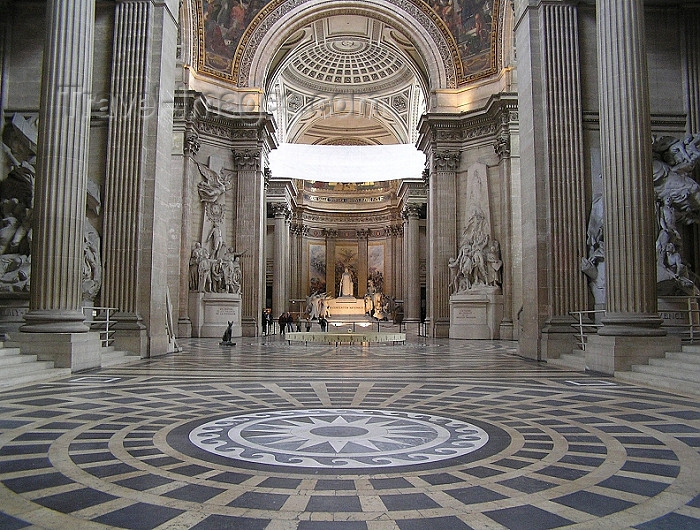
(347, 64)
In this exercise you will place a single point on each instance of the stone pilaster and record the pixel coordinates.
(249, 235)
(138, 168)
(55, 328)
(631, 329)
(331, 236)
(691, 15)
(362, 261)
(294, 260)
(190, 149)
(411, 292)
(442, 237)
(565, 173)
(280, 266)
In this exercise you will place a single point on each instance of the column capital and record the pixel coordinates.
(191, 145)
(411, 210)
(330, 233)
(362, 233)
(280, 210)
(446, 160)
(246, 159)
(502, 146)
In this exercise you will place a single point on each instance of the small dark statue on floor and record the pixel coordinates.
(226, 337)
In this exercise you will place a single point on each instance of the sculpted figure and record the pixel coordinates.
(346, 285)
(198, 253)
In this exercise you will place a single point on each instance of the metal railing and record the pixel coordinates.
(584, 325)
(584, 328)
(100, 320)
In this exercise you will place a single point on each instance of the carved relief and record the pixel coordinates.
(446, 160)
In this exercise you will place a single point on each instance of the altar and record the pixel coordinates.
(346, 309)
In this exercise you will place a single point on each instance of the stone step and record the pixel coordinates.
(16, 358)
(676, 364)
(34, 376)
(690, 348)
(113, 358)
(5, 352)
(668, 372)
(660, 382)
(570, 361)
(688, 357)
(25, 368)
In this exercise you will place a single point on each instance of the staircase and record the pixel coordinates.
(112, 357)
(677, 371)
(575, 360)
(17, 369)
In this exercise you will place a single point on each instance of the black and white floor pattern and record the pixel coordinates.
(431, 435)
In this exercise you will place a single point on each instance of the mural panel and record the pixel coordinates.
(375, 266)
(345, 256)
(317, 268)
(221, 25)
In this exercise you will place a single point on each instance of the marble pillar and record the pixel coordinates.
(565, 174)
(54, 326)
(294, 260)
(691, 16)
(331, 287)
(280, 265)
(442, 237)
(631, 331)
(362, 261)
(139, 164)
(190, 149)
(411, 293)
(250, 229)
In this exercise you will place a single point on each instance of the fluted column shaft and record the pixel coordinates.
(331, 287)
(250, 227)
(190, 148)
(411, 293)
(565, 158)
(294, 258)
(442, 239)
(626, 162)
(280, 268)
(692, 66)
(122, 186)
(57, 251)
(362, 261)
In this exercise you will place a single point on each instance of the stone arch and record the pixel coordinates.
(276, 22)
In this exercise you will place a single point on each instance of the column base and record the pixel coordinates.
(441, 329)
(608, 354)
(130, 334)
(54, 321)
(184, 328)
(558, 338)
(77, 351)
(631, 325)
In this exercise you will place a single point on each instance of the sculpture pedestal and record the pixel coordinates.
(211, 312)
(346, 309)
(476, 314)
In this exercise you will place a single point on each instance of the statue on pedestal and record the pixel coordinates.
(346, 285)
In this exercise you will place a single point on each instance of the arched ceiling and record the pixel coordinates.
(345, 80)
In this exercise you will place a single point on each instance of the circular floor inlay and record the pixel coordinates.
(339, 438)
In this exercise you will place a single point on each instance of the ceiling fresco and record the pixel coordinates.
(471, 26)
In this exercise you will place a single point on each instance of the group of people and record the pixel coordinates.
(288, 322)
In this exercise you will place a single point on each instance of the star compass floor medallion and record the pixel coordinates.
(341, 439)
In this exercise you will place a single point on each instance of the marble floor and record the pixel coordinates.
(433, 434)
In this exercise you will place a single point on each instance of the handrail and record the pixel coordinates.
(102, 325)
(582, 326)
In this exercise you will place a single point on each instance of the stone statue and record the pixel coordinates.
(478, 263)
(217, 240)
(346, 285)
(213, 185)
(198, 253)
(92, 263)
(231, 270)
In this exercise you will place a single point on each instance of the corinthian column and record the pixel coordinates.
(411, 215)
(442, 239)
(57, 250)
(280, 265)
(563, 132)
(631, 328)
(138, 166)
(54, 324)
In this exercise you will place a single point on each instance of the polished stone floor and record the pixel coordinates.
(433, 434)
